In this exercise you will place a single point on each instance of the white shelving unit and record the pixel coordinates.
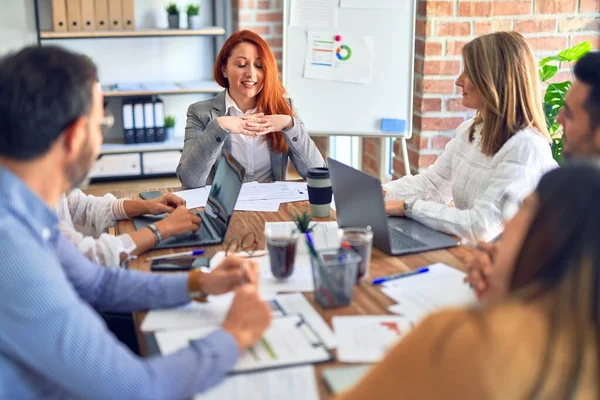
(153, 60)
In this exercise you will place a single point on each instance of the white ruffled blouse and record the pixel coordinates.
(475, 182)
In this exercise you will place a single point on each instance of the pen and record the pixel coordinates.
(177, 255)
(379, 281)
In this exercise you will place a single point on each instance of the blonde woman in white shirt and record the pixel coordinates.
(504, 150)
(85, 219)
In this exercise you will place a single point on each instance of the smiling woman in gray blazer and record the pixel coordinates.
(251, 119)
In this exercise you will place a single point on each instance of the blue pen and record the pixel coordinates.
(177, 255)
(383, 279)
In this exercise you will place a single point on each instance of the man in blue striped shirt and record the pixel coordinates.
(53, 344)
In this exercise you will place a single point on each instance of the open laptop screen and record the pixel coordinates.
(224, 192)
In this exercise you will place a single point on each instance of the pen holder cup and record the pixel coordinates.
(334, 276)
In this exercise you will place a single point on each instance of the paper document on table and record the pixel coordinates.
(288, 341)
(194, 198)
(195, 314)
(257, 205)
(325, 235)
(314, 13)
(420, 295)
(367, 338)
(301, 279)
(296, 303)
(296, 383)
(282, 192)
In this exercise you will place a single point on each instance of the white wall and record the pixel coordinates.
(17, 25)
(126, 60)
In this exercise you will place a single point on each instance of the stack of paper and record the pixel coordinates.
(420, 295)
(297, 383)
(254, 196)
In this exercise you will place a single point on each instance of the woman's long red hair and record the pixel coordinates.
(271, 98)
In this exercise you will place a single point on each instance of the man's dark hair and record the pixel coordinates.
(42, 91)
(587, 70)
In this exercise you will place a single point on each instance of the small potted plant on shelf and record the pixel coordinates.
(169, 127)
(193, 16)
(173, 15)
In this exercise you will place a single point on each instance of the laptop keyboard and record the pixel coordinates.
(400, 240)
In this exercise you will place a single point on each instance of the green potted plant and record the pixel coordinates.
(169, 127)
(303, 223)
(193, 16)
(554, 97)
(173, 15)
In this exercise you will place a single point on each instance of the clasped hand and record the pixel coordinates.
(255, 124)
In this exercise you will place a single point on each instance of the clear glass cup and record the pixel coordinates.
(361, 241)
(282, 253)
(334, 276)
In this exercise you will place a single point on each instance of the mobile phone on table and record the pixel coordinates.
(179, 264)
(150, 195)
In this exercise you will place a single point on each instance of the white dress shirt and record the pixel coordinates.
(252, 152)
(85, 219)
(476, 182)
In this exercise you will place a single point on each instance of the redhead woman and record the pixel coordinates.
(504, 150)
(251, 119)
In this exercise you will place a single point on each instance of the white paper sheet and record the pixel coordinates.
(375, 4)
(194, 198)
(195, 314)
(420, 295)
(296, 383)
(284, 343)
(300, 281)
(320, 14)
(348, 60)
(367, 338)
(333, 203)
(257, 205)
(296, 303)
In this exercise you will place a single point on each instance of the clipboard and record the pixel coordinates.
(289, 341)
(264, 356)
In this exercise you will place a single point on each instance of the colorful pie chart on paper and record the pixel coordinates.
(343, 53)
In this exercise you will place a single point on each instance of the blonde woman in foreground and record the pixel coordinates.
(541, 342)
(505, 148)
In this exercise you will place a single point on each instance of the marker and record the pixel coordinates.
(383, 279)
(177, 255)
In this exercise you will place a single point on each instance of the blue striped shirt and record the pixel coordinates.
(54, 345)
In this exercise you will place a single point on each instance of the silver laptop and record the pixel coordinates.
(217, 213)
(359, 203)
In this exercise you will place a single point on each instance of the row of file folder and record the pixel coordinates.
(144, 121)
(92, 15)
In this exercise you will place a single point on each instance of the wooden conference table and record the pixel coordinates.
(367, 300)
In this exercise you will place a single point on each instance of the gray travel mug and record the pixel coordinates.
(319, 191)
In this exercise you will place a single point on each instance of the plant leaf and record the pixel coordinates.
(547, 72)
(549, 59)
(576, 52)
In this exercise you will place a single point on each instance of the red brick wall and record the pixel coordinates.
(444, 26)
(441, 29)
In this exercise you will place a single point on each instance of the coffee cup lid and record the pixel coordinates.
(318, 173)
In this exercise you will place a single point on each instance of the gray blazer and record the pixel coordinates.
(205, 143)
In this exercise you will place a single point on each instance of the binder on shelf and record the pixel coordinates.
(128, 127)
(149, 121)
(74, 15)
(128, 15)
(138, 122)
(101, 14)
(59, 15)
(159, 120)
(115, 15)
(88, 19)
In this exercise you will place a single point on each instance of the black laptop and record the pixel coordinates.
(217, 213)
